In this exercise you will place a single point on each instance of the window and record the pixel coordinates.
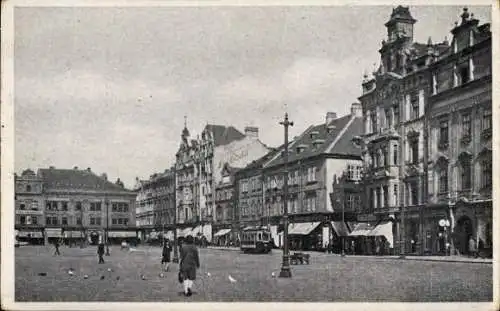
(98, 221)
(64, 221)
(373, 117)
(78, 206)
(28, 188)
(22, 206)
(443, 133)
(386, 155)
(486, 176)
(466, 128)
(372, 199)
(395, 110)
(414, 151)
(22, 220)
(414, 193)
(443, 178)
(395, 193)
(78, 221)
(463, 73)
(353, 172)
(311, 174)
(34, 220)
(486, 123)
(350, 201)
(95, 206)
(34, 205)
(465, 172)
(395, 154)
(415, 109)
(379, 198)
(386, 196)
(388, 118)
(92, 221)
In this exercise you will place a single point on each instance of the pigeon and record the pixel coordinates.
(208, 274)
(70, 272)
(109, 270)
(85, 276)
(143, 277)
(117, 278)
(42, 274)
(162, 275)
(231, 279)
(102, 277)
(273, 274)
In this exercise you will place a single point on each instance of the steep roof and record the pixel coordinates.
(223, 135)
(318, 140)
(59, 179)
(256, 164)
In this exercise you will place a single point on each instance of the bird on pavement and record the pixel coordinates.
(231, 279)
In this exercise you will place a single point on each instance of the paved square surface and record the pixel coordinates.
(328, 278)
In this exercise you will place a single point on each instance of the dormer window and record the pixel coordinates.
(318, 142)
(330, 128)
(301, 148)
(314, 134)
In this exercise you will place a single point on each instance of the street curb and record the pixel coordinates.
(437, 260)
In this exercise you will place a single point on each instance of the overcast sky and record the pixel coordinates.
(108, 88)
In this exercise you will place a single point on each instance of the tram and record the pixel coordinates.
(256, 240)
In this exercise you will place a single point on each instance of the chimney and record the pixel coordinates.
(252, 132)
(104, 176)
(356, 110)
(330, 116)
(52, 167)
(75, 168)
(89, 170)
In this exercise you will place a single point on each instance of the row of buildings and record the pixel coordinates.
(411, 163)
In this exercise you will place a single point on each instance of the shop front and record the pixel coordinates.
(52, 235)
(73, 237)
(30, 236)
(305, 236)
(118, 236)
(222, 237)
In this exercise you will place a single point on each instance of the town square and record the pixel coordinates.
(252, 154)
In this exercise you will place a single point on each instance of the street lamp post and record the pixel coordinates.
(402, 238)
(107, 227)
(285, 268)
(342, 238)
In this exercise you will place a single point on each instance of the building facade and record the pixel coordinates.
(155, 206)
(225, 225)
(29, 207)
(460, 141)
(318, 154)
(399, 106)
(78, 205)
(199, 166)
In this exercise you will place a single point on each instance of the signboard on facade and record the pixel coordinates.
(367, 218)
(29, 212)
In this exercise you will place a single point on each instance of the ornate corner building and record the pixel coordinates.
(427, 118)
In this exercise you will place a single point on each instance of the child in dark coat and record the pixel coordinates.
(100, 252)
(165, 256)
(189, 263)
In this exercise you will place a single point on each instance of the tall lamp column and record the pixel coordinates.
(107, 227)
(176, 252)
(285, 268)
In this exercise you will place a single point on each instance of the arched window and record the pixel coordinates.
(465, 171)
(485, 158)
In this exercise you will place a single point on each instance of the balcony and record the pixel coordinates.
(466, 139)
(443, 145)
(486, 134)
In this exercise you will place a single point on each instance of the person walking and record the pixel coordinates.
(472, 247)
(189, 263)
(56, 245)
(100, 252)
(165, 256)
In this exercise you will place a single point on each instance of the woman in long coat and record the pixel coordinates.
(189, 263)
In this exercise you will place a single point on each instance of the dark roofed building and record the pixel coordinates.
(79, 205)
(222, 135)
(315, 156)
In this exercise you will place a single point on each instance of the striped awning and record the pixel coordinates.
(303, 228)
(222, 232)
(384, 229)
(362, 229)
(53, 232)
(196, 231)
(340, 228)
(185, 232)
(122, 234)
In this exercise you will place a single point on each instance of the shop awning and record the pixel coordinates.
(169, 235)
(122, 234)
(384, 229)
(53, 232)
(222, 232)
(184, 232)
(340, 228)
(73, 234)
(196, 231)
(32, 234)
(303, 228)
(362, 229)
(153, 235)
